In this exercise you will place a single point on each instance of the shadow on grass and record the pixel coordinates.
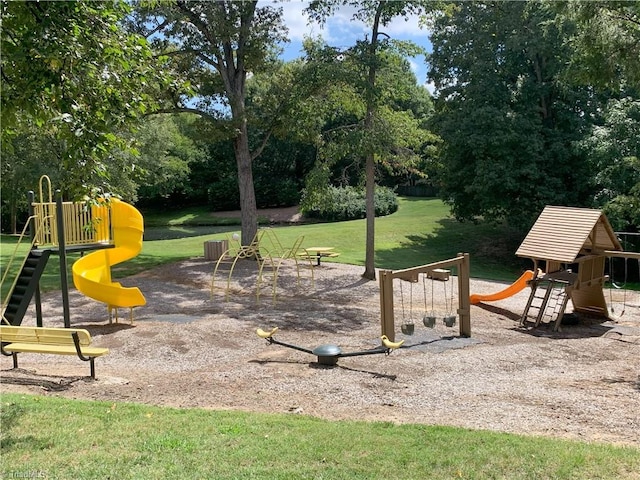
(185, 231)
(492, 246)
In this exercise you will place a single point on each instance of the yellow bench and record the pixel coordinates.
(59, 341)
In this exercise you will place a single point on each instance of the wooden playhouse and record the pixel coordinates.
(570, 246)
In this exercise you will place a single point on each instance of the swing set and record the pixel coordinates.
(615, 284)
(438, 272)
(430, 314)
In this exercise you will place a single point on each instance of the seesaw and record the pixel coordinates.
(329, 354)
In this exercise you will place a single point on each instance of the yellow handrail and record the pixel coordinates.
(45, 177)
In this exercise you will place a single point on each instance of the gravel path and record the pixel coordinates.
(188, 348)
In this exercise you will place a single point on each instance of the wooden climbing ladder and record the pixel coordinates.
(548, 299)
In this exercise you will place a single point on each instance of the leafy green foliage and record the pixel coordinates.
(337, 204)
(72, 68)
(166, 156)
(507, 122)
(614, 149)
(606, 40)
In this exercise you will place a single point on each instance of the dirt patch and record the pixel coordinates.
(189, 348)
(286, 215)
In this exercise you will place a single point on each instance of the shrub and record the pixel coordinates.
(336, 204)
(274, 192)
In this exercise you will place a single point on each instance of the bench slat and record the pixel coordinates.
(50, 336)
(57, 349)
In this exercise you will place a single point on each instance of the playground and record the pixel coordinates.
(189, 349)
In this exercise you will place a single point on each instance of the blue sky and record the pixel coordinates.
(342, 31)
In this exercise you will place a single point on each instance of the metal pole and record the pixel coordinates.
(32, 234)
(62, 251)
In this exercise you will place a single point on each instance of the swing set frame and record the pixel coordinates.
(462, 264)
(627, 256)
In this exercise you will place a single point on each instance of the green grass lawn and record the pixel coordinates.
(421, 231)
(97, 440)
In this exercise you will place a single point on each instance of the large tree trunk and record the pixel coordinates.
(248, 209)
(369, 262)
(370, 168)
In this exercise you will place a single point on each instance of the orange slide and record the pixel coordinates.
(92, 273)
(512, 289)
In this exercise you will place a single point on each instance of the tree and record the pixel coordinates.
(25, 158)
(377, 14)
(613, 148)
(70, 69)
(508, 123)
(166, 156)
(216, 44)
(606, 41)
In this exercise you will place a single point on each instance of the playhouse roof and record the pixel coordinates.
(561, 234)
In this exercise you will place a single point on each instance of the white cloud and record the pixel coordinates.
(404, 27)
(342, 31)
(297, 22)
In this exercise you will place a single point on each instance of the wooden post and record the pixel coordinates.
(386, 304)
(464, 305)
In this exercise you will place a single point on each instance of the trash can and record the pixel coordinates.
(214, 249)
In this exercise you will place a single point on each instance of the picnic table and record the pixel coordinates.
(318, 253)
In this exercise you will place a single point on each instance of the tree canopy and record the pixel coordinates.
(71, 69)
(507, 122)
(536, 103)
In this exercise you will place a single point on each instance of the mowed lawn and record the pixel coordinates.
(69, 439)
(420, 232)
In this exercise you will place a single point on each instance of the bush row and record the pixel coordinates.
(336, 204)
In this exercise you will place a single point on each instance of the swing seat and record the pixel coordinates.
(450, 320)
(407, 328)
(429, 321)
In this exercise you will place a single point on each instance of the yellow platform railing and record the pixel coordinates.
(83, 223)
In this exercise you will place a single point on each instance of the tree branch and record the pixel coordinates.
(183, 110)
(624, 18)
(158, 28)
(187, 51)
(262, 146)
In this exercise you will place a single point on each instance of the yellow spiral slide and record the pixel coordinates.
(92, 273)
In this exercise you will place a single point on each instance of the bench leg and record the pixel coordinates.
(93, 368)
(15, 359)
